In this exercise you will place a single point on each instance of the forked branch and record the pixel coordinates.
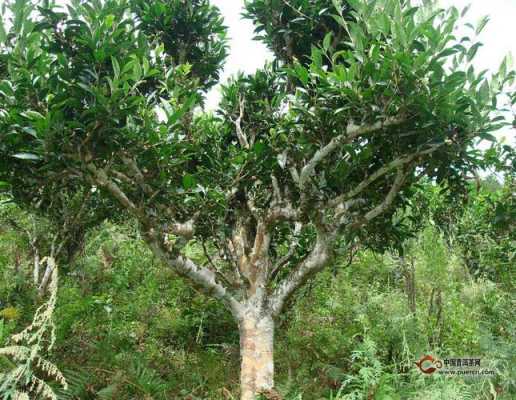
(352, 132)
(200, 276)
(316, 260)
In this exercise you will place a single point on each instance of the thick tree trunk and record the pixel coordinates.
(256, 352)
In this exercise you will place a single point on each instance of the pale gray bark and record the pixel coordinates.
(50, 262)
(200, 276)
(352, 132)
(256, 352)
(397, 163)
(316, 260)
(36, 267)
(242, 138)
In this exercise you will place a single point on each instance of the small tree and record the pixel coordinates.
(311, 154)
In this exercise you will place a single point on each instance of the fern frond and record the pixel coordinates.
(18, 353)
(40, 387)
(52, 371)
(109, 392)
(26, 353)
(77, 385)
(21, 396)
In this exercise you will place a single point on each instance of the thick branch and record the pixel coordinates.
(228, 281)
(101, 178)
(185, 229)
(322, 251)
(282, 212)
(386, 203)
(122, 177)
(292, 250)
(352, 132)
(242, 138)
(239, 245)
(136, 172)
(261, 244)
(399, 162)
(313, 263)
(202, 277)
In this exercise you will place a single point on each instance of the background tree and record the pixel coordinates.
(308, 156)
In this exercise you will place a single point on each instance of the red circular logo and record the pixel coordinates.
(429, 364)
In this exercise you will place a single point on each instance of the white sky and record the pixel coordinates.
(245, 54)
(499, 38)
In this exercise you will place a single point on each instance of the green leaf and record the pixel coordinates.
(447, 53)
(116, 67)
(110, 19)
(457, 77)
(327, 41)
(341, 21)
(502, 71)
(86, 88)
(146, 66)
(172, 118)
(465, 10)
(484, 91)
(473, 51)
(137, 70)
(32, 115)
(188, 181)
(302, 74)
(356, 4)
(26, 156)
(337, 4)
(3, 34)
(30, 131)
(259, 148)
(410, 12)
(482, 24)
(488, 137)
(470, 74)
(316, 57)
(358, 35)
(7, 88)
(100, 55)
